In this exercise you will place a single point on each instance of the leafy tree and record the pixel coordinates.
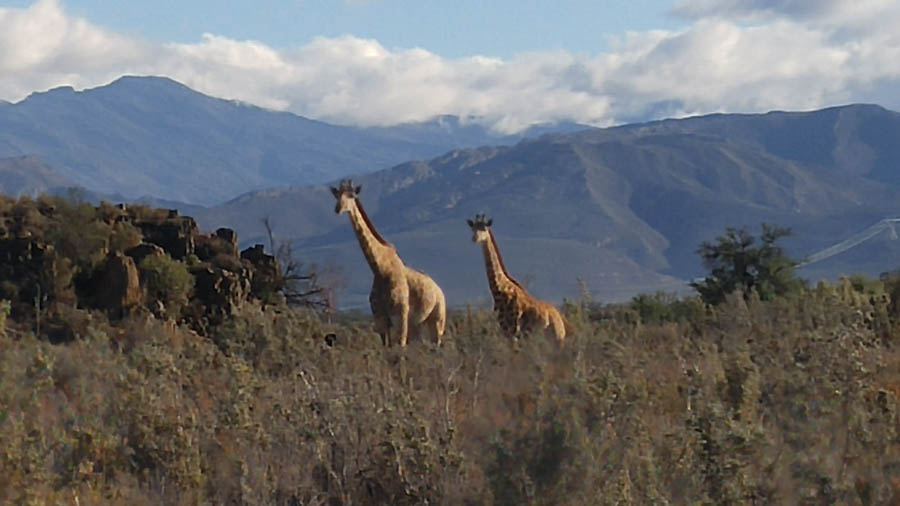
(738, 261)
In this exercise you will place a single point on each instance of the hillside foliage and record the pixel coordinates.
(739, 261)
(58, 253)
(665, 400)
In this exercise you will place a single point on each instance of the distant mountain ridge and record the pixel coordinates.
(622, 209)
(29, 175)
(152, 136)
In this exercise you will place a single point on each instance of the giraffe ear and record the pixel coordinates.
(335, 191)
(471, 223)
(488, 224)
(358, 189)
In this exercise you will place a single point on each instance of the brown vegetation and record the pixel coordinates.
(784, 402)
(662, 401)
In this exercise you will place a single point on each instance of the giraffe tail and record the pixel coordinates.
(442, 315)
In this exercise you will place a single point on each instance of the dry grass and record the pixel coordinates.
(785, 402)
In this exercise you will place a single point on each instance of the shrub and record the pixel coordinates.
(79, 235)
(168, 281)
(667, 307)
(124, 236)
(736, 263)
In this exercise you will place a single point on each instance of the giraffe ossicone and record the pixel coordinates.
(402, 299)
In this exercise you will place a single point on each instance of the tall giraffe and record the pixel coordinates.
(517, 311)
(402, 299)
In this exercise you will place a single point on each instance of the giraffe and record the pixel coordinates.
(402, 298)
(517, 311)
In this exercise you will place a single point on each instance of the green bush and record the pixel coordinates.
(78, 234)
(168, 281)
(124, 236)
(667, 307)
(738, 261)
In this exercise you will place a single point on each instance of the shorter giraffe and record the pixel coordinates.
(402, 299)
(517, 311)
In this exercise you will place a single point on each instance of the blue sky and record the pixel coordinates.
(507, 65)
(457, 28)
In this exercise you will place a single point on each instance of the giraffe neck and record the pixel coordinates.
(378, 252)
(499, 280)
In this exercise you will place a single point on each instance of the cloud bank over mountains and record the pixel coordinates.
(734, 56)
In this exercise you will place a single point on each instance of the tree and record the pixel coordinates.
(314, 287)
(736, 261)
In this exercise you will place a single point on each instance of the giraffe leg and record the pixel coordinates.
(434, 324)
(400, 323)
(559, 327)
(518, 324)
(382, 327)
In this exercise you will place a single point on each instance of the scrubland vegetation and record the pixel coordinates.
(788, 400)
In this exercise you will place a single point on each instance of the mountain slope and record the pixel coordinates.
(153, 136)
(621, 209)
(28, 175)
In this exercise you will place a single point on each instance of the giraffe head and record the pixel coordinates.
(480, 228)
(345, 193)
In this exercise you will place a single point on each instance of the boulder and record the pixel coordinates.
(117, 285)
(143, 250)
(219, 290)
(228, 236)
(175, 235)
(221, 243)
(266, 269)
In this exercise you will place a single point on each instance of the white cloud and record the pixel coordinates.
(42, 46)
(842, 11)
(742, 56)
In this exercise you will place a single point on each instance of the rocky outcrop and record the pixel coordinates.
(175, 234)
(143, 250)
(266, 269)
(117, 285)
(229, 237)
(205, 271)
(220, 291)
(29, 271)
(221, 243)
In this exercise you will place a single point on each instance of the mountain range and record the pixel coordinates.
(618, 210)
(152, 136)
(615, 211)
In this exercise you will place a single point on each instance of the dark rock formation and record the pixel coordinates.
(29, 271)
(175, 234)
(266, 269)
(143, 250)
(222, 243)
(229, 236)
(33, 272)
(220, 291)
(117, 285)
